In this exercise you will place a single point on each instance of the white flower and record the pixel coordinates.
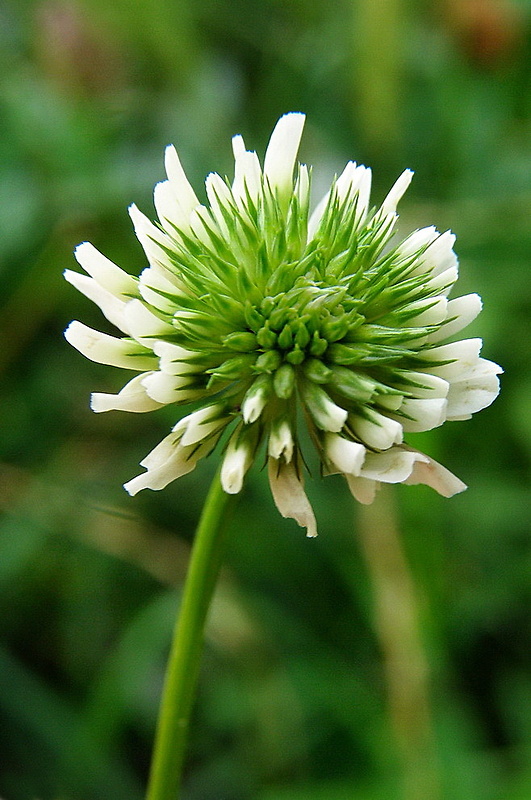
(255, 309)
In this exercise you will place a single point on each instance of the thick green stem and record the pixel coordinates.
(183, 664)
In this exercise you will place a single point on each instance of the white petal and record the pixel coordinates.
(153, 241)
(433, 474)
(417, 240)
(174, 359)
(316, 216)
(153, 285)
(104, 271)
(462, 356)
(180, 463)
(168, 388)
(435, 311)
(237, 461)
(133, 397)
(184, 193)
(425, 414)
(168, 208)
(281, 441)
(247, 171)
(200, 424)
(478, 389)
(363, 489)
(326, 414)
(219, 195)
(347, 456)
(427, 385)
(106, 349)
(391, 466)
(439, 256)
(289, 495)
(460, 312)
(443, 281)
(142, 323)
(282, 151)
(397, 191)
(112, 307)
(379, 432)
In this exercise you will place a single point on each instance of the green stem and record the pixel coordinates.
(183, 665)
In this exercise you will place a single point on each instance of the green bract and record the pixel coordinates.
(256, 309)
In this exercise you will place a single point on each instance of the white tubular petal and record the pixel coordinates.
(112, 307)
(417, 241)
(237, 461)
(427, 385)
(431, 473)
(281, 441)
(174, 359)
(289, 495)
(316, 216)
(168, 388)
(142, 323)
(379, 432)
(247, 171)
(363, 489)
(443, 281)
(104, 271)
(435, 312)
(106, 349)
(282, 151)
(391, 466)
(460, 312)
(477, 389)
(425, 414)
(390, 402)
(347, 456)
(168, 209)
(439, 256)
(180, 461)
(397, 191)
(133, 397)
(325, 413)
(184, 193)
(462, 355)
(151, 238)
(153, 285)
(200, 424)
(219, 195)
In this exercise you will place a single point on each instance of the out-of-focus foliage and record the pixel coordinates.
(292, 700)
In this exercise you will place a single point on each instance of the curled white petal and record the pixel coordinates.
(344, 454)
(200, 424)
(433, 474)
(289, 495)
(423, 384)
(327, 415)
(363, 489)
(104, 271)
(443, 281)
(154, 285)
(169, 209)
(167, 462)
(396, 192)
(143, 323)
(153, 241)
(426, 413)
(281, 152)
(431, 312)
(379, 431)
(460, 312)
(111, 306)
(105, 349)
(174, 359)
(180, 184)
(460, 357)
(167, 389)
(247, 172)
(236, 462)
(477, 389)
(281, 441)
(133, 397)
(391, 466)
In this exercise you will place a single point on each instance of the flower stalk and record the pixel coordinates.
(183, 664)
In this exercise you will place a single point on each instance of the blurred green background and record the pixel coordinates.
(294, 693)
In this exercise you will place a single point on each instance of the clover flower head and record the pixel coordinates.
(269, 318)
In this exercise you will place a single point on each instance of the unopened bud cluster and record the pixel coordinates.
(254, 309)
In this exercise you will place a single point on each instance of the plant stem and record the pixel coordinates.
(183, 665)
(396, 612)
